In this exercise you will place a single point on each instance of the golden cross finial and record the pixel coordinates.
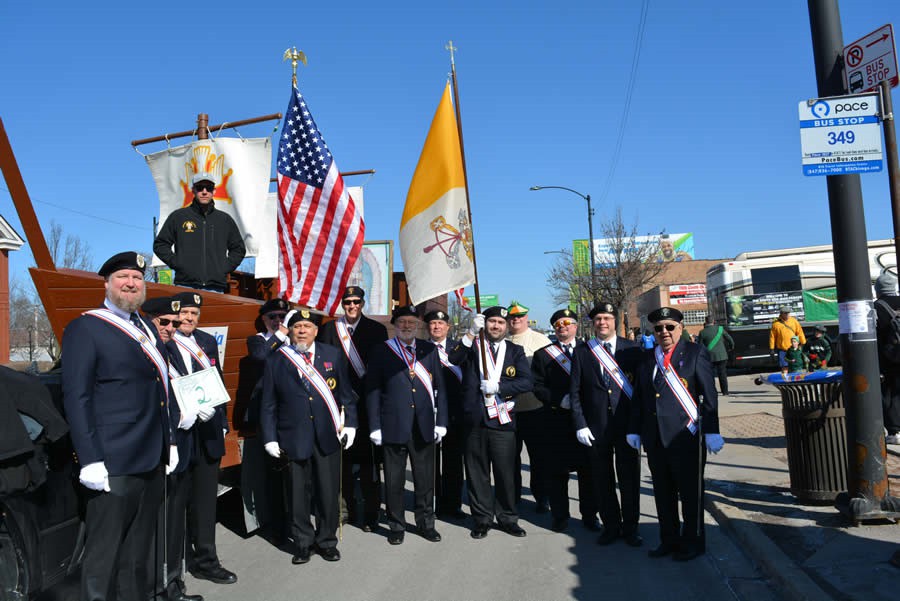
(452, 49)
(295, 56)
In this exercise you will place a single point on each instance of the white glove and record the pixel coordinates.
(273, 449)
(714, 442)
(187, 421)
(634, 441)
(439, 433)
(489, 387)
(173, 459)
(205, 413)
(349, 435)
(95, 476)
(510, 405)
(477, 325)
(287, 318)
(565, 403)
(375, 437)
(585, 436)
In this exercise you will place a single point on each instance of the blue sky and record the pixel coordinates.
(711, 144)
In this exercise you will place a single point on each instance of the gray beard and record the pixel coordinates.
(301, 347)
(129, 307)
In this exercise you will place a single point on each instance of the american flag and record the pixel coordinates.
(320, 230)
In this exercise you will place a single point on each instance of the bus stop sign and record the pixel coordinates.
(870, 60)
(841, 135)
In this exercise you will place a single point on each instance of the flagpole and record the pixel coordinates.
(462, 152)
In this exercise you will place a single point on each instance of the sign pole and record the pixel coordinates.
(867, 497)
(890, 151)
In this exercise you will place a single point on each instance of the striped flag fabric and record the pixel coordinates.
(435, 230)
(320, 229)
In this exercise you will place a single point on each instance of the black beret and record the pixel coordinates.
(351, 291)
(436, 315)
(403, 311)
(495, 312)
(665, 313)
(603, 307)
(161, 305)
(125, 260)
(189, 299)
(305, 315)
(561, 314)
(273, 304)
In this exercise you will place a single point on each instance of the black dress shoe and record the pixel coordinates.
(633, 539)
(479, 531)
(302, 556)
(560, 524)
(513, 530)
(330, 553)
(396, 538)
(216, 574)
(370, 527)
(662, 550)
(181, 596)
(608, 537)
(592, 524)
(430, 534)
(687, 554)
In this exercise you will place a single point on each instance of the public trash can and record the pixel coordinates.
(815, 429)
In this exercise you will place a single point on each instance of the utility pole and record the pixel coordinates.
(868, 496)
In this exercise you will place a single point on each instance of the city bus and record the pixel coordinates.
(745, 295)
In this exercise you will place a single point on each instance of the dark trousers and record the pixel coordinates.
(588, 504)
(421, 457)
(613, 461)
(314, 485)
(721, 370)
(529, 431)
(119, 531)
(364, 454)
(890, 401)
(170, 538)
(490, 451)
(677, 475)
(449, 470)
(556, 456)
(201, 511)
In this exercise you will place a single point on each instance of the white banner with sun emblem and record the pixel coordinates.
(435, 231)
(242, 168)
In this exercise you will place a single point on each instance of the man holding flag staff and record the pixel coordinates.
(675, 416)
(305, 388)
(407, 415)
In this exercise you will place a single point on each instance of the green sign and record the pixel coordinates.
(164, 276)
(820, 305)
(487, 300)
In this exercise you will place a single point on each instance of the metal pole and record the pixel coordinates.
(890, 151)
(867, 496)
(591, 245)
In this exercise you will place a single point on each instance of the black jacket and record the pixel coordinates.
(203, 247)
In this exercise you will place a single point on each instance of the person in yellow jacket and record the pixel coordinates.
(783, 329)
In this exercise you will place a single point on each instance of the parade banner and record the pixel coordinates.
(668, 248)
(756, 309)
(241, 167)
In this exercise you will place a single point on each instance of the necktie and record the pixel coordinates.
(350, 330)
(567, 349)
(303, 378)
(136, 321)
(305, 355)
(410, 350)
(494, 350)
(607, 381)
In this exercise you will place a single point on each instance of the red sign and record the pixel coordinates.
(870, 60)
(687, 294)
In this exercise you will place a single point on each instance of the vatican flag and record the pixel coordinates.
(435, 231)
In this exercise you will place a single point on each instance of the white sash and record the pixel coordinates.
(191, 346)
(678, 389)
(349, 348)
(608, 363)
(307, 370)
(411, 364)
(445, 361)
(498, 411)
(560, 357)
(138, 336)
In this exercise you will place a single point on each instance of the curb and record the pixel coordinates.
(790, 580)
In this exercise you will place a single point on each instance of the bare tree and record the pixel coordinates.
(69, 251)
(627, 267)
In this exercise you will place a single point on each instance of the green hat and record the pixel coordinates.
(517, 309)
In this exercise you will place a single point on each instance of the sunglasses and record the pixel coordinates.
(164, 322)
(564, 323)
(351, 301)
(276, 315)
(669, 326)
(207, 187)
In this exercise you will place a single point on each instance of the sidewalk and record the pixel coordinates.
(809, 551)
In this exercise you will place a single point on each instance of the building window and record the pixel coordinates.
(693, 318)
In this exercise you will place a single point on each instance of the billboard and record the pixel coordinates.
(672, 247)
(687, 294)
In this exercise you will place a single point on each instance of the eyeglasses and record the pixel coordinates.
(207, 187)
(351, 301)
(276, 315)
(164, 322)
(564, 323)
(669, 326)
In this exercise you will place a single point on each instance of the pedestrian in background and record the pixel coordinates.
(719, 343)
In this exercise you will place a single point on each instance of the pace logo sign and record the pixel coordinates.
(841, 135)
